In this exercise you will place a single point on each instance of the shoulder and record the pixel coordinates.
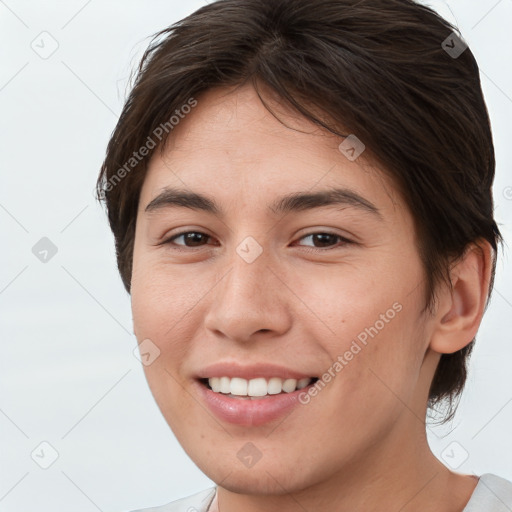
(198, 502)
(492, 494)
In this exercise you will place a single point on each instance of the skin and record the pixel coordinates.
(361, 442)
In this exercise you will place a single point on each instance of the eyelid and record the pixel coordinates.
(168, 240)
(343, 240)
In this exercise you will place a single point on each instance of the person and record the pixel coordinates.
(300, 193)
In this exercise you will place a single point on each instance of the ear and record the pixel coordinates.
(460, 309)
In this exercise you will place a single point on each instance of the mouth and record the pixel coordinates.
(251, 394)
(231, 399)
(257, 388)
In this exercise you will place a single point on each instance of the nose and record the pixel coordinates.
(251, 298)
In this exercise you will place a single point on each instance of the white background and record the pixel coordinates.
(67, 372)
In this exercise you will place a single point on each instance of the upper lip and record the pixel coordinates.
(253, 371)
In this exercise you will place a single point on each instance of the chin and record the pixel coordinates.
(262, 479)
(244, 482)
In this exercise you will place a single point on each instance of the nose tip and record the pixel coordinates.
(247, 302)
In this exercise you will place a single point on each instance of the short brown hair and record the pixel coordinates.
(376, 67)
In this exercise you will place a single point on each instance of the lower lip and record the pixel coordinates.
(248, 412)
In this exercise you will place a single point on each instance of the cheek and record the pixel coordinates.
(158, 300)
(351, 297)
(155, 313)
(377, 347)
(383, 374)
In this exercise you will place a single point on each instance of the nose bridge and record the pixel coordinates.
(247, 299)
(247, 283)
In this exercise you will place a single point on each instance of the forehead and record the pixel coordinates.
(232, 147)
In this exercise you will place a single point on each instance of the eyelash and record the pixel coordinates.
(344, 241)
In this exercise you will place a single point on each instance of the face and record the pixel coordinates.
(321, 291)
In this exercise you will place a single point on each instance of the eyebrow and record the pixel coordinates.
(297, 201)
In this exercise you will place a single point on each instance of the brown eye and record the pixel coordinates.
(190, 239)
(322, 241)
(326, 240)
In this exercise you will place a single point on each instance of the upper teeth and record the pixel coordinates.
(256, 387)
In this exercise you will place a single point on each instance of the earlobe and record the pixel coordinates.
(461, 309)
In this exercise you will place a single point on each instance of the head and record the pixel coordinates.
(249, 104)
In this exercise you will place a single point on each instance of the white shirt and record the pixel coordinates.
(492, 494)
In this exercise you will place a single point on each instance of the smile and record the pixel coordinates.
(251, 402)
(236, 387)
